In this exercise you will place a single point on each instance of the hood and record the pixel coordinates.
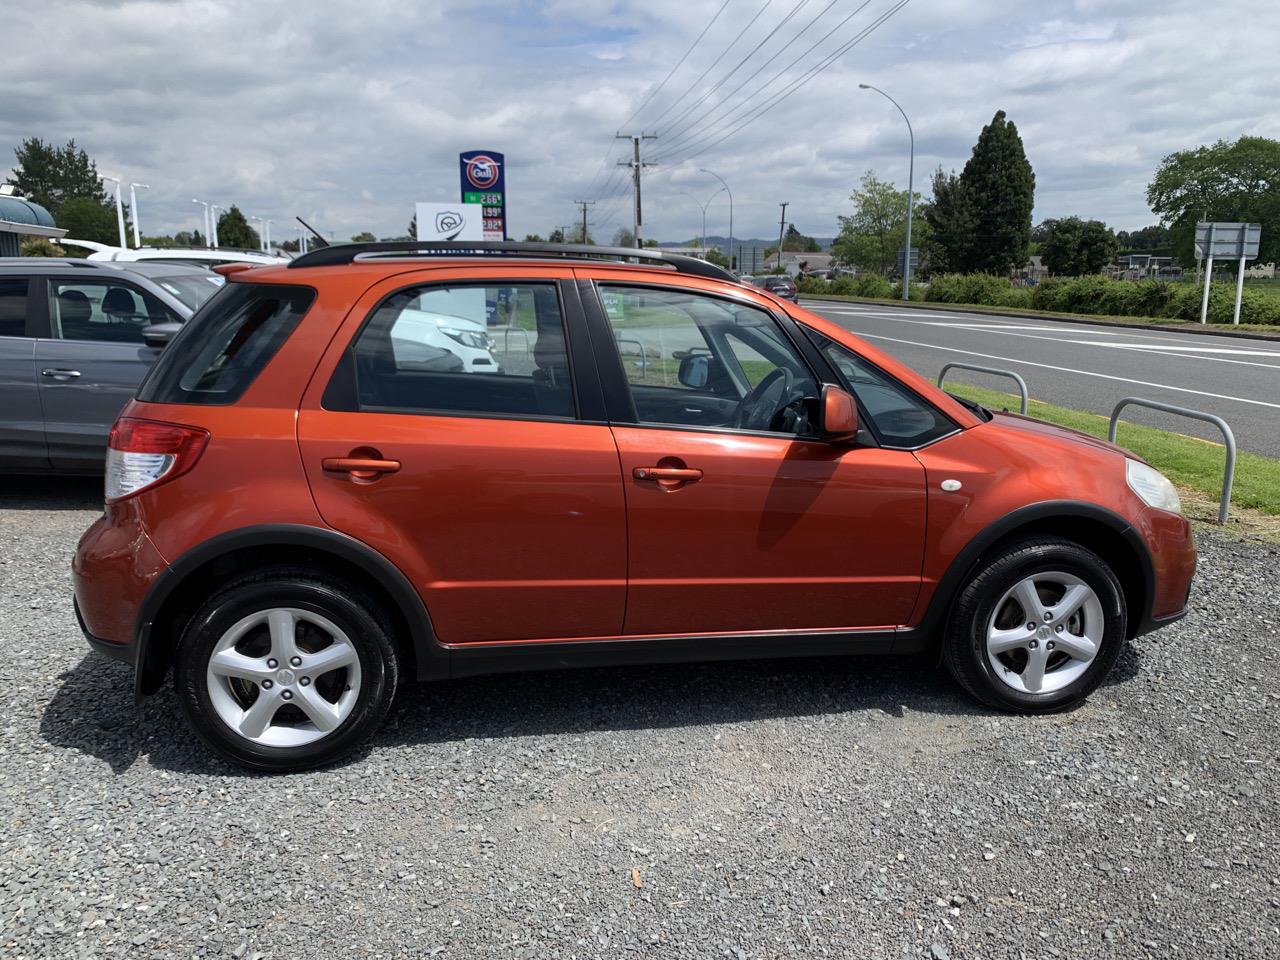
(1019, 423)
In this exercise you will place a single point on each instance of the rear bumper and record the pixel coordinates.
(124, 652)
(114, 567)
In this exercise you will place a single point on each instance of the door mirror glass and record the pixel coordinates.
(695, 371)
(158, 335)
(839, 415)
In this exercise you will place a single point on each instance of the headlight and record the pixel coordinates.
(468, 338)
(1152, 486)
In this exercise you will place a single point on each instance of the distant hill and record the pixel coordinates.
(716, 240)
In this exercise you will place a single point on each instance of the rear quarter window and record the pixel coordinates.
(223, 348)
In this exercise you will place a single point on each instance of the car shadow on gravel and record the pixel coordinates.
(50, 493)
(93, 713)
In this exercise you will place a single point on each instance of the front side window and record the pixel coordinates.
(475, 350)
(700, 361)
(223, 348)
(13, 308)
(901, 418)
(104, 311)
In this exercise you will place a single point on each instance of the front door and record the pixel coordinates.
(450, 433)
(91, 364)
(740, 519)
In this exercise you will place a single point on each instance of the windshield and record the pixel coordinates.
(192, 290)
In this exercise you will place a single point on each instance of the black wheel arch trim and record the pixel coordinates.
(431, 657)
(967, 560)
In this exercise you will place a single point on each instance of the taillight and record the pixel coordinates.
(142, 453)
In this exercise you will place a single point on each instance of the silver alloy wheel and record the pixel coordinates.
(1045, 631)
(284, 677)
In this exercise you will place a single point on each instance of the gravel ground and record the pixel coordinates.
(822, 808)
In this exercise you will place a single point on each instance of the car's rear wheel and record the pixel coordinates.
(1038, 627)
(283, 670)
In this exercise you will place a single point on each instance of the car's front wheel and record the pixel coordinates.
(283, 670)
(1038, 627)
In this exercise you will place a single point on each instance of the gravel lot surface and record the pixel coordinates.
(823, 808)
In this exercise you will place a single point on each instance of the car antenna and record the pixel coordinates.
(314, 232)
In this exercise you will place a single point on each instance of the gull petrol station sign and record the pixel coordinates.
(484, 182)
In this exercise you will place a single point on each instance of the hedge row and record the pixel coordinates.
(1096, 295)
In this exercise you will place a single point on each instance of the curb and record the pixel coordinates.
(1209, 329)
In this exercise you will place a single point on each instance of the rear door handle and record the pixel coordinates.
(58, 373)
(361, 469)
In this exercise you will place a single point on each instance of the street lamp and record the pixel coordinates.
(260, 220)
(702, 240)
(213, 223)
(911, 168)
(207, 240)
(124, 242)
(730, 192)
(133, 210)
(266, 236)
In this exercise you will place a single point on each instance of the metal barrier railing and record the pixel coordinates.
(1229, 472)
(642, 353)
(1022, 384)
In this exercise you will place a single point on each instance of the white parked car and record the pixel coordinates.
(197, 255)
(465, 339)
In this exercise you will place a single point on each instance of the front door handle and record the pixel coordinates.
(360, 469)
(59, 373)
(668, 478)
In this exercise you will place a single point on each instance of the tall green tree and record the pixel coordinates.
(1234, 182)
(1075, 247)
(364, 237)
(234, 231)
(87, 218)
(51, 175)
(871, 237)
(999, 187)
(1154, 237)
(793, 241)
(951, 225)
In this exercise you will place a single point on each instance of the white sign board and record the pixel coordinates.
(450, 221)
(1228, 241)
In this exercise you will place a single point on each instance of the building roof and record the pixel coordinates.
(22, 216)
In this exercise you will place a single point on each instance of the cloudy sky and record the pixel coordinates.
(348, 113)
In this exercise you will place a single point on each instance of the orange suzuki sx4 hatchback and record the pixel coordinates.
(386, 462)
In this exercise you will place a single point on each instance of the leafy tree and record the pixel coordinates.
(234, 231)
(1155, 237)
(87, 218)
(877, 230)
(556, 236)
(713, 255)
(41, 247)
(1077, 247)
(998, 185)
(193, 238)
(51, 175)
(365, 237)
(412, 229)
(533, 238)
(1223, 181)
(623, 237)
(793, 241)
(576, 235)
(950, 223)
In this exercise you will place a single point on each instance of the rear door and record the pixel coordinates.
(90, 361)
(494, 486)
(22, 445)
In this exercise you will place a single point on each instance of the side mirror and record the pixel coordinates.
(695, 371)
(158, 335)
(839, 415)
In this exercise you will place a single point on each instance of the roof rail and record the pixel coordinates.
(349, 252)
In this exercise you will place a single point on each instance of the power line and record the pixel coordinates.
(795, 84)
(672, 71)
(683, 137)
(723, 80)
(714, 63)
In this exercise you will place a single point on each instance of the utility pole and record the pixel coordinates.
(782, 226)
(636, 166)
(584, 204)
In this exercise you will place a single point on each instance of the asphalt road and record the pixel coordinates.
(1090, 367)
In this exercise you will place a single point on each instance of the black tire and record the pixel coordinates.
(346, 606)
(965, 641)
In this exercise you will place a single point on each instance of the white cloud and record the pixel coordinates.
(347, 113)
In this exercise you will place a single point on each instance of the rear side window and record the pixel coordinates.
(104, 311)
(226, 344)
(13, 308)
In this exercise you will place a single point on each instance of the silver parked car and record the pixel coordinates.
(76, 338)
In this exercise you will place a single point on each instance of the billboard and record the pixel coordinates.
(483, 176)
(450, 221)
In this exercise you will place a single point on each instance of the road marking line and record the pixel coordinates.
(1161, 346)
(1083, 373)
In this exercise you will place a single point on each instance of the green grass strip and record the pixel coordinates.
(1187, 461)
